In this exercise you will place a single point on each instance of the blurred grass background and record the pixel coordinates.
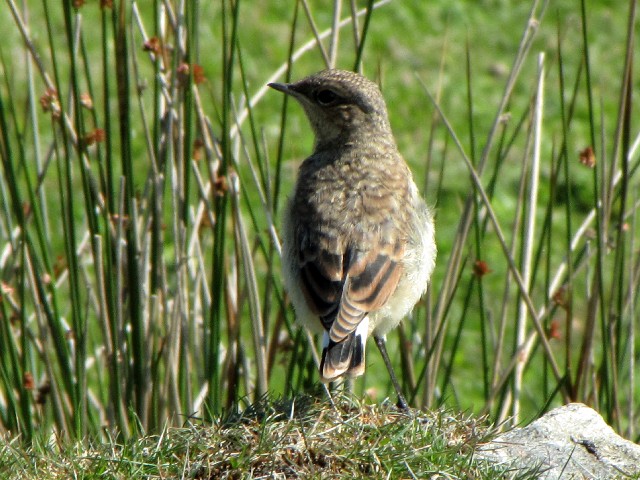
(144, 165)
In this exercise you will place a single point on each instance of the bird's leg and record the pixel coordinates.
(402, 402)
(348, 385)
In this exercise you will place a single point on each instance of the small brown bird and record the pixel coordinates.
(358, 240)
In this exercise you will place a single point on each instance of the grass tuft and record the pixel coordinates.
(296, 437)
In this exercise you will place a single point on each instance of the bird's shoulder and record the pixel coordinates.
(353, 171)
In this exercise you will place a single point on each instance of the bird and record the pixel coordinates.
(358, 240)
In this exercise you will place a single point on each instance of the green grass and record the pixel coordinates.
(140, 274)
(292, 438)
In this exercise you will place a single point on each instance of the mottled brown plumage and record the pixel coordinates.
(358, 240)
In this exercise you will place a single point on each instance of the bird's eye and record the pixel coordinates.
(326, 97)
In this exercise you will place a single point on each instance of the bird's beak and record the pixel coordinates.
(281, 87)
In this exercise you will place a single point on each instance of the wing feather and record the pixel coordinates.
(369, 283)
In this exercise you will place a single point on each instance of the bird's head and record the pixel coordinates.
(340, 105)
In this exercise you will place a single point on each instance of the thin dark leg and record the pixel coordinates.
(402, 402)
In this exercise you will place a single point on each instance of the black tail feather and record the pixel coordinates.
(344, 357)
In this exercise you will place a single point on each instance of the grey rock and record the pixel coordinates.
(569, 442)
